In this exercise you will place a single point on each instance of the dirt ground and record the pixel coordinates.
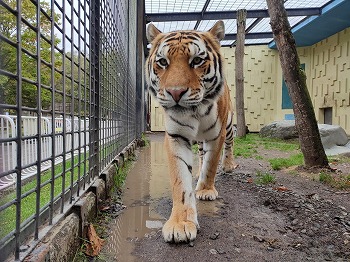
(295, 219)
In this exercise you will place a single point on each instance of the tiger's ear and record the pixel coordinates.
(218, 30)
(152, 32)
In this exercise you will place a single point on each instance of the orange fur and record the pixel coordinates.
(182, 75)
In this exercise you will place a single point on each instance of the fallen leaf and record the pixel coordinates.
(281, 188)
(250, 180)
(104, 208)
(94, 244)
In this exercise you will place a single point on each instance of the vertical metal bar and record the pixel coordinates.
(72, 104)
(53, 105)
(94, 88)
(85, 90)
(19, 130)
(38, 83)
(139, 67)
(79, 99)
(127, 86)
(64, 124)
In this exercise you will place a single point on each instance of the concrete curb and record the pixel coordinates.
(63, 239)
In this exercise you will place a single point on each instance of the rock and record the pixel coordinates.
(295, 222)
(214, 236)
(280, 129)
(213, 251)
(334, 138)
(332, 135)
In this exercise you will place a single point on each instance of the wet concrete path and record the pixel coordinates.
(147, 198)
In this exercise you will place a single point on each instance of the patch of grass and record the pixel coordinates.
(338, 159)
(145, 139)
(337, 181)
(28, 204)
(120, 177)
(294, 160)
(247, 146)
(285, 146)
(265, 178)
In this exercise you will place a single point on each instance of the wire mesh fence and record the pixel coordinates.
(70, 101)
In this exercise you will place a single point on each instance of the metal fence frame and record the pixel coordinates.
(94, 75)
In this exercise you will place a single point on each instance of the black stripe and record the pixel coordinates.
(180, 123)
(214, 138)
(190, 37)
(154, 92)
(208, 110)
(212, 126)
(209, 79)
(189, 167)
(177, 136)
(216, 91)
(229, 125)
(229, 136)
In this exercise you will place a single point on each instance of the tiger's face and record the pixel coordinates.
(184, 68)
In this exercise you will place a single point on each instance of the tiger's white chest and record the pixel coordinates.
(201, 125)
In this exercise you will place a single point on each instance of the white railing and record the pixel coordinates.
(30, 154)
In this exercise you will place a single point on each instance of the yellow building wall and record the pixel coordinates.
(327, 67)
(260, 82)
(330, 78)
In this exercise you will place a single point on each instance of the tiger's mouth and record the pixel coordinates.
(179, 98)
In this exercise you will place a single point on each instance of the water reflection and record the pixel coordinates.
(147, 196)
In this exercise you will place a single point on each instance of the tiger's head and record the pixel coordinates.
(184, 68)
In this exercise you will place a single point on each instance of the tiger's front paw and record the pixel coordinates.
(207, 194)
(179, 231)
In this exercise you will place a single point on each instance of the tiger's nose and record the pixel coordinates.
(177, 93)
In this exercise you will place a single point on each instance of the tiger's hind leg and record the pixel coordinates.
(200, 158)
(182, 224)
(228, 163)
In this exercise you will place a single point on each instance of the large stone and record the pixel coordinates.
(332, 135)
(284, 129)
(334, 138)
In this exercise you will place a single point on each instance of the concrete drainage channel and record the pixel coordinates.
(64, 239)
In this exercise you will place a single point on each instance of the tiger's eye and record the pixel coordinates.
(196, 61)
(163, 62)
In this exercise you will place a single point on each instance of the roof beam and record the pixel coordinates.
(217, 15)
(203, 11)
(250, 36)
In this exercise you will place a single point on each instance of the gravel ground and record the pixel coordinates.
(294, 219)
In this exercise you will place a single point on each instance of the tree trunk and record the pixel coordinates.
(239, 55)
(305, 119)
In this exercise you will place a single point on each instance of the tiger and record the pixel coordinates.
(184, 71)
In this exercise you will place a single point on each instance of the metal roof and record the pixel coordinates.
(170, 15)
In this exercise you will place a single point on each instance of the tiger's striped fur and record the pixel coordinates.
(184, 71)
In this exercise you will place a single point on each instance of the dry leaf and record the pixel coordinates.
(104, 208)
(281, 188)
(93, 247)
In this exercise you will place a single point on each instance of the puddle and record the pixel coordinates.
(147, 197)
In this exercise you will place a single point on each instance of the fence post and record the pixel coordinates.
(94, 88)
(140, 120)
